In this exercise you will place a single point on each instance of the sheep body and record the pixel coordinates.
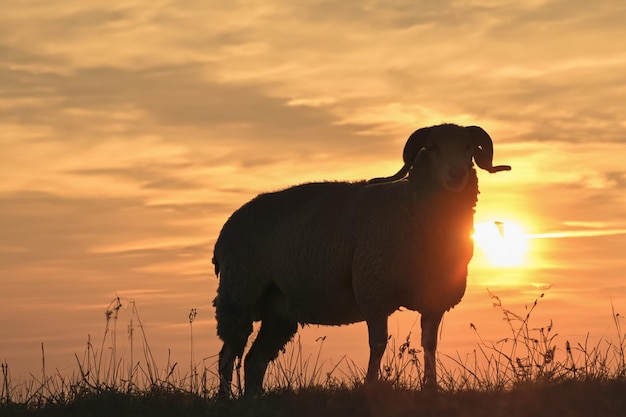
(319, 239)
(296, 243)
(335, 253)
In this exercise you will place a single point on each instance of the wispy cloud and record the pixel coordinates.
(576, 233)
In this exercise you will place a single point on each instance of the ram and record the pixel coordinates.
(334, 253)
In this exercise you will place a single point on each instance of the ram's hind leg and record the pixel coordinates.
(377, 333)
(234, 325)
(273, 335)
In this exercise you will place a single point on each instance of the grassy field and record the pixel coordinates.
(524, 374)
(566, 398)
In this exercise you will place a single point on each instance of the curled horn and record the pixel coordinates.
(483, 155)
(414, 144)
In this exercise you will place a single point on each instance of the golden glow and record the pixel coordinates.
(504, 243)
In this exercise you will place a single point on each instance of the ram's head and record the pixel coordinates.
(450, 150)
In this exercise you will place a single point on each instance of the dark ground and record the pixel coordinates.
(566, 399)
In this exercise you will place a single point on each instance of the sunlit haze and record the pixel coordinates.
(504, 243)
(131, 130)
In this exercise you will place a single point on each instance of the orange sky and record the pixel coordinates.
(131, 130)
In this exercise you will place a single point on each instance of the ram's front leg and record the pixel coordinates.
(377, 331)
(430, 328)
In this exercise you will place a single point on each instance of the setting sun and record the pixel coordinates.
(504, 243)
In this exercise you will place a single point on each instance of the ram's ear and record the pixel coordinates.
(417, 141)
(483, 155)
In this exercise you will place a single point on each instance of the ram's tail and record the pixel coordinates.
(217, 266)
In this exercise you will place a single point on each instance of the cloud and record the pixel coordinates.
(577, 233)
(617, 179)
(240, 71)
(155, 176)
(179, 104)
(60, 231)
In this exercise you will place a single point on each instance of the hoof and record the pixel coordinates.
(431, 387)
(223, 395)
